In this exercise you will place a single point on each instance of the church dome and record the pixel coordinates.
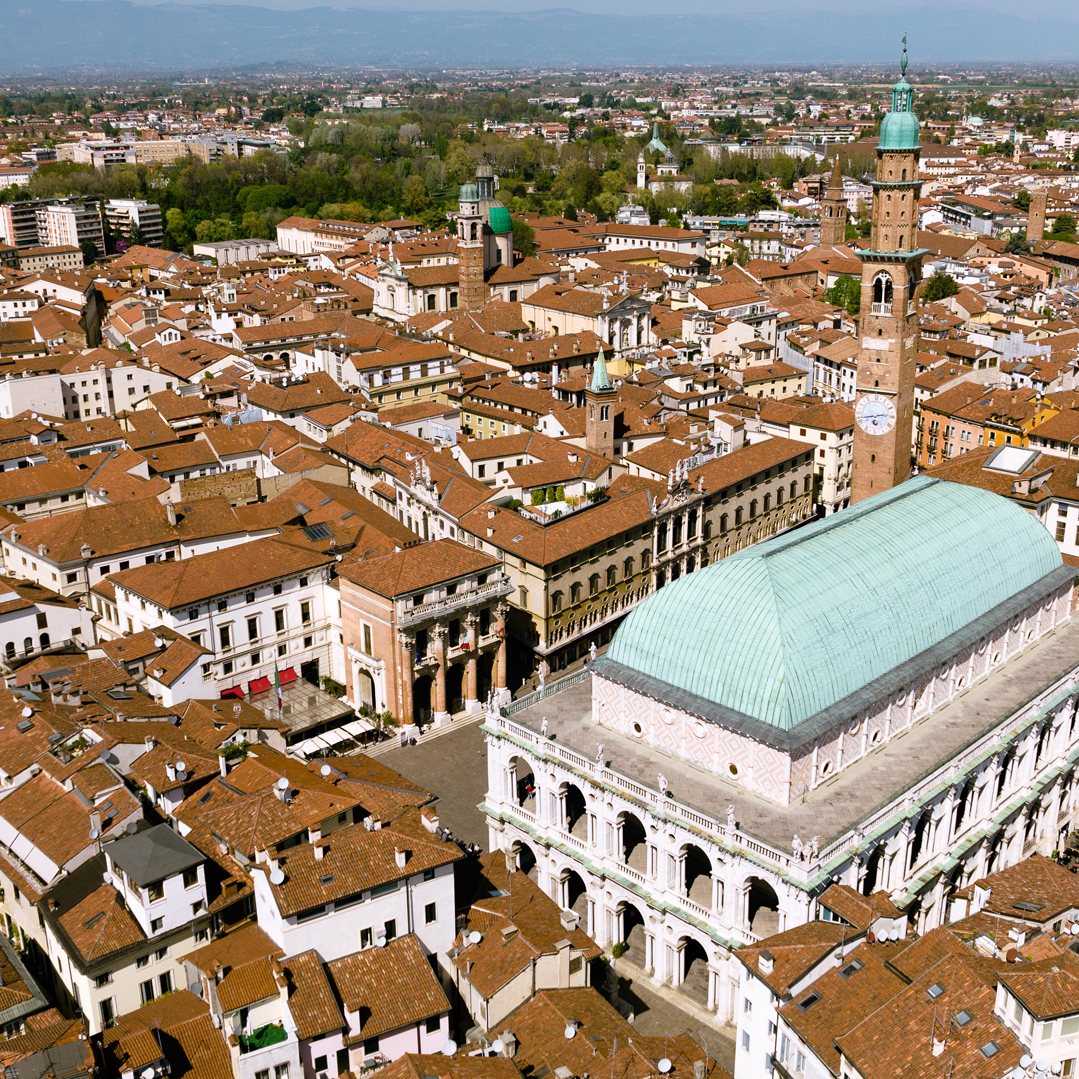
(788, 628)
(499, 219)
(469, 193)
(899, 131)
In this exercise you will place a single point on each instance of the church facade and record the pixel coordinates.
(865, 700)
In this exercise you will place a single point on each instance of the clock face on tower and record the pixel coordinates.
(875, 414)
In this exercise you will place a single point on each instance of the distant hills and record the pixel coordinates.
(55, 35)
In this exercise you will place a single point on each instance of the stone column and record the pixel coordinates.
(503, 693)
(438, 634)
(407, 667)
(472, 704)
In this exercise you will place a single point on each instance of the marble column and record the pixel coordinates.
(407, 668)
(503, 693)
(438, 634)
(472, 704)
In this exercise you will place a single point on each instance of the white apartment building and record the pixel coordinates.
(123, 214)
(70, 223)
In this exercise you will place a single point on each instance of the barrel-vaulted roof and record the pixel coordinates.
(783, 631)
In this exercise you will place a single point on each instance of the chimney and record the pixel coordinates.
(149, 742)
(569, 919)
(700, 1069)
(400, 857)
(766, 962)
(170, 770)
(320, 850)
(85, 551)
(314, 834)
(938, 1046)
(219, 971)
(222, 765)
(509, 1043)
(95, 821)
(170, 508)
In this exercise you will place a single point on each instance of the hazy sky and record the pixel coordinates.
(917, 13)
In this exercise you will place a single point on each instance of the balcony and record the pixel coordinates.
(881, 309)
(263, 1038)
(459, 601)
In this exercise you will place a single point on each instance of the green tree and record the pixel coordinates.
(524, 238)
(846, 293)
(89, 252)
(1022, 200)
(176, 230)
(939, 287)
(1017, 244)
(1064, 228)
(273, 116)
(586, 101)
(414, 195)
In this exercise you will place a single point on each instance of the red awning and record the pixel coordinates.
(287, 675)
(259, 685)
(235, 691)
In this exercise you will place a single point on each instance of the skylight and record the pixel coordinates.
(962, 1018)
(809, 1001)
(935, 990)
(851, 968)
(990, 1049)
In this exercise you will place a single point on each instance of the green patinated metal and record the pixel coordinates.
(899, 128)
(785, 629)
(499, 219)
(601, 381)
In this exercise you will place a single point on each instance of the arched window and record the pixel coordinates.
(723, 522)
(627, 568)
(779, 496)
(612, 574)
(882, 294)
(44, 640)
(737, 516)
(767, 503)
(28, 645)
(808, 482)
(794, 490)
(9, 650)
(556, 602)
(752, 508)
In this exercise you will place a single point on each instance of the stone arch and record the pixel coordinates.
(761, 906)
(573, 807)
(574, 895)
(364, 689)
(522, 777)
(527, 862)
(692, 973)
(633, 843)
(455, 688)
(871, 880)
(697, 875)
(422, 690)
(630, 932)
(917, 842)
(882, 289)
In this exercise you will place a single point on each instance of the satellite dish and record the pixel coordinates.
(181, 766)
(474, 937)
(103, 755)
(1025, 1060)
(571, 1030)
(181, 775)
(282, 784)
(148, 1074)
(27, 713)
(449, 1047)
(1057, 1068)
(498, 1047)
(94, 833)
(1042, 1065)
(664, 1065)
(159, 642)
(131, 827)
(894, 934)
(276, 876)
(325, 770)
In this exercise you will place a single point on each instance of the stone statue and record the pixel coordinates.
(730, 818)
(662, 785)
(543, 728)
(799, 850)
(813, 847)
(592, 652)
(599, 755)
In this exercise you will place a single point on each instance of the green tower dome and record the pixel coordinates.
(899, 128)
(498, 217)
(469, 193)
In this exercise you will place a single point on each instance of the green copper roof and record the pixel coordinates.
(499, 219)
(601, 381)
(899, 131)
(468, 193)
(788, 628)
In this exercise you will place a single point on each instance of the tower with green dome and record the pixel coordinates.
(887, 324)
(484, 237)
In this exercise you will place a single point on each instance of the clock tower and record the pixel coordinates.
(887, 324)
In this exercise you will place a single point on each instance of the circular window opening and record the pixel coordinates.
(668, 716)
(825, 768)
(875, 740)
(996, 657)
(637, 730)
(1030, 635)
(698, 729)
(961, 683)
(732, 768)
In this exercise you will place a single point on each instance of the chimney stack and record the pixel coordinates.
(171, 509)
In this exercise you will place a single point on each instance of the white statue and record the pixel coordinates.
(798, 849)
(662, 784)
(592, 652)
(813, 846)
(543, 728)
(599, 755)
(730, 818)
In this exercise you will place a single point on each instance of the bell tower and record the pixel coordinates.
(599, 402)
(887, 324)
(833, 214)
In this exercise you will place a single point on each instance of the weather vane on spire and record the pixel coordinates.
(903, 62)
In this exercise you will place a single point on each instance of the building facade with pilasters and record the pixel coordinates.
(771, 724)
(425, 631)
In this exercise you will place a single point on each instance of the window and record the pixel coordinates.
(225, 635)
(165, 982)
(990, 1049)
(428, 874)
(481, 472)
(305, 612)
(745, 1040)
(963, 1017)
(252, 629)
(367, 640)
(370, 1045)
(191, 877)
(430, 914)
(747, 1006)
(262, 1073)
(784, 1041)
(365, 938)
(935, 990)
(280, 1071)
(851, 968)
(102, 979)
(146, 991)
(320, 1063)
(391, 929)
(222, 604)
(799, 1061)
(1061, 526)
(611, 575)
(279, 620)
(192, 614)
(142, 961)
(156, 925)
(250, 597)
(277, 589)
(107, 1010)
(809, 1001)
(1069, 1027)
(523, 596)
(156, 891)
(433, 1024)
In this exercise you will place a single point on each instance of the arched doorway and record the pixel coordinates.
(693, 971)
(523, 783)
(631, 934)
(364, 689)
(762, 907)
(455, 693)
(422, 690)
(872, 872)
(526, 861)
(697, 868)
(575, 896)
(634, 846)
(576, 817)
(485, 674)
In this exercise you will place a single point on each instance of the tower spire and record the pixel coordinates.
(601, 381)
(903, 62)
